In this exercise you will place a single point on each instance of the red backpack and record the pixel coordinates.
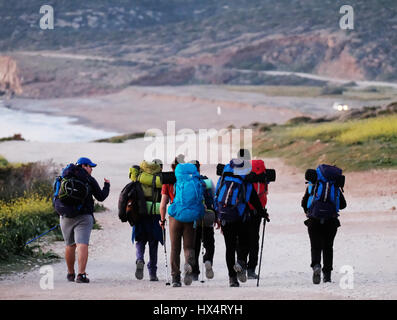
(261, 188)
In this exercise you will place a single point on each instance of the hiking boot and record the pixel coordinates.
(153, 277)
(188, 278)
(327, 276)
(209, 273)
(139, 269)
(82, 278)
(317, 274)
(241, 272)
(70, 277)
(251, 274)
(176, 282)
(233, 282)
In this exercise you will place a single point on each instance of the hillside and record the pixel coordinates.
(105, 45)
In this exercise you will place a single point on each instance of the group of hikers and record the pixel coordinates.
(236, 206)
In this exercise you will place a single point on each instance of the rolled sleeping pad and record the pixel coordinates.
(311, 175)
(269, 176)
(219, 169)
(168, 177)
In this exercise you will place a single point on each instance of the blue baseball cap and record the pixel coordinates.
(85, 161)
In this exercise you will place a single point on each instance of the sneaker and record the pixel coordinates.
(233, 282)
(209, 273)
(241, 272)
(139, 269)
(188, 278)
(317, 274)
(327, 276)
(70, 277)
(82, 278)
(176, 282)
(153, 277)
(251, 274)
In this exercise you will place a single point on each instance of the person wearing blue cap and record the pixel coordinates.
(77, 222)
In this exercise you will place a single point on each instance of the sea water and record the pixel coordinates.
(45, 128)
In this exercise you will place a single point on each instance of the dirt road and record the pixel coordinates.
(366, 242)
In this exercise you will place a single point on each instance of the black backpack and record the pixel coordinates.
(71, 189)
(132, 204)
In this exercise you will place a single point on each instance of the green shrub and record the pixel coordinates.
(21, 220)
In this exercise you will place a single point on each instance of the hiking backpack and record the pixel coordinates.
(209, 216)
(324, 193)
(148, 174)
(188, 202)
(70, 191)
(261, 188)
(232, 195)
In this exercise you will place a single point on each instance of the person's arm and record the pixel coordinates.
(255, 201)
(163, 210)
(304, 200)
(97, 192)
(342, 201)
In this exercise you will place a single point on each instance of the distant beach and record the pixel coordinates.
(41, 127)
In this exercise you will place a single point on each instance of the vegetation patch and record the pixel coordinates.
(122, 138)
(352, 145)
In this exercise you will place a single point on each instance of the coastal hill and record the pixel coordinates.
(104, 46)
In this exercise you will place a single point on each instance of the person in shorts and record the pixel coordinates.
(76, 223)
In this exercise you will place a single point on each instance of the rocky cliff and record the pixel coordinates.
(9, 79)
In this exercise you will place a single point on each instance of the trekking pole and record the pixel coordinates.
(260, 260)
(165, 254)
(43, 234)
(202, 250)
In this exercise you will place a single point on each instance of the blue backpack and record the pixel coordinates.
(324, 194)
(189, 194)
(231, 196)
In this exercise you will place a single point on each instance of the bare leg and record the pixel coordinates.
(70, 257)
(82, 253)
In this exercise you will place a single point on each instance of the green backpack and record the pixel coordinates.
(148, 175)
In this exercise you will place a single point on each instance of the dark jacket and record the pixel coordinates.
(94, 192)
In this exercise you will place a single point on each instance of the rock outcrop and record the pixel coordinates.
(10, 82)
